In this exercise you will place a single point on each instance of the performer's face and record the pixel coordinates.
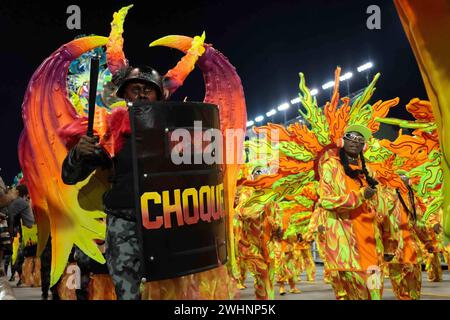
(140, 90)
(353, 143)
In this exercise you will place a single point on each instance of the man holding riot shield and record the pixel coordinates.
(122, 253)
(165, 219)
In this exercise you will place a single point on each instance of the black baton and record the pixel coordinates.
(92, 94)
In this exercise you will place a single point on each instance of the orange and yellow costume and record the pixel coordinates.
(256, 246)
(358, 232)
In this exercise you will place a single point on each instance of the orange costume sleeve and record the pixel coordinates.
(313, 226)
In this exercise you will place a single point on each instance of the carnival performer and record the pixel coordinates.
(260, 226)
(356, 221)
(405, 269)
(21, 220)
(306, 260)
(315, 232)
(432, 258)
(5, 237)
(287, 268)
(447, 254)
(6, 293)
(5, 241)
(424, 172)
(242, 195)
(122, 249)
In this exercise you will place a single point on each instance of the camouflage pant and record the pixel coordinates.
(122, 257)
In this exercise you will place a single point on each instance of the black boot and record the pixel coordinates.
(54, 291)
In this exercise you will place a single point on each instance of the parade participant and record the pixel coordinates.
(315, 232)
(19, 213)
(355, 219)
(5, 241)
(31, 275)
(289, 267)
(405, 269)
(303, 246)
(425, 175)
(134, 84)
(122, 249)
(446, 254)
(260, 226)
(242, 195)
(296, 216)
(19, 210)
(306, 260)
(433, 265)
(6, 293)
(22, 221)
(315, 148)
(286, 269)
(5, 237)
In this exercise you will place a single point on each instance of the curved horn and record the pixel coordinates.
(193, 49)
(115, 56)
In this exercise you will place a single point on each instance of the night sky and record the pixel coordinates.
(268, 42)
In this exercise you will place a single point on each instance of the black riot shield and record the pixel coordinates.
(180, 206)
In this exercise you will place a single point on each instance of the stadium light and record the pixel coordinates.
(329, 84)
(271, 113)
(283, 106)
(250, 123)
(296, 100)
(346, 76)
(259, 118)
(314, 92)
(365, 66)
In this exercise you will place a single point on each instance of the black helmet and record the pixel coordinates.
(143, 73)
